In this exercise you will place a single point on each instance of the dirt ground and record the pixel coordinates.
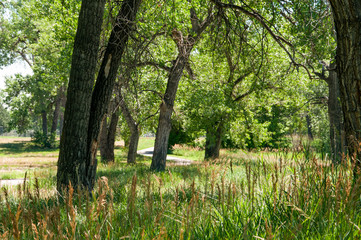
(14, 163)
(14, 139)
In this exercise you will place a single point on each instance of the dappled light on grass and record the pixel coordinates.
(226, 198)
(279, 194)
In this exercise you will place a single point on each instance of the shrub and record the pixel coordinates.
(44, 141)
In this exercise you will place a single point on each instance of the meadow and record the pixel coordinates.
(290, 194)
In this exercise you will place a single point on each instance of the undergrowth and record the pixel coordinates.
(225, 199)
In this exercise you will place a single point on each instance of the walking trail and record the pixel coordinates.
(11, 182)
(148, 152)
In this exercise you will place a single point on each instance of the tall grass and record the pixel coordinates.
(282, 198)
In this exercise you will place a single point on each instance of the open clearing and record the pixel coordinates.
(18, 156)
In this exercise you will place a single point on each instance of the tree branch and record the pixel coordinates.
(259, 18)
(150, 116)
(153, 64)
(153, 91)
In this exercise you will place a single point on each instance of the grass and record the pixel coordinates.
(18, 155)
(239, 196)
(185, 152)
(146, 142)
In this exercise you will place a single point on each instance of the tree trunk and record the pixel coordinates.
(73, 143)
(133, 145)
(58, 101)
(309, 127)
(335, 117)
(106, 79)
(44, 123)
(107, 137)
(103, 140)
(166, 110)
(347, 17)
(213, 142)
(134, 130)
(61, 114)
(185, 46)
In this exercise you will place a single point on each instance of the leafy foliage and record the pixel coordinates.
(44, 141)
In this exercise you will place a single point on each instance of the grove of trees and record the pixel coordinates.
(241, 74)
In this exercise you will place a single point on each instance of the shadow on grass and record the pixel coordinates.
(22, 147)
(120, 177)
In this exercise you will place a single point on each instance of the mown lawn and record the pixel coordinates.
(240, 196)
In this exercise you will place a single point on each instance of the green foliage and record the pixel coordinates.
(178, 135)
(236, 56)
(26, 98)
(4, 119)
(41, 34)
(44, 141)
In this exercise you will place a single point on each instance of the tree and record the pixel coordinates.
(309, 25)
(38, 33)
(185, 44)
(336, 128)
(347, 15)
(85, 107)
(4, 119)
(108, 132)
(73, 142)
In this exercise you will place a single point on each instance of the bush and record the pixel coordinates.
(178, 135)
(43, 141)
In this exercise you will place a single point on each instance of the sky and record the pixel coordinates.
(17, 67)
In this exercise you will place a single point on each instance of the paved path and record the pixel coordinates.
(145, 152)
(11, 182)
(148, 152)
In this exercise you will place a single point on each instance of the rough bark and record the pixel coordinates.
(105, 82)
(73, 143)
(213, 142)
(134, 130)
(347, 18)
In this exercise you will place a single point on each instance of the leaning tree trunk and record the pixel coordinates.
(213, 142)
(185, 46)
(105, 82)
(347, 17)
(134, 130)
(73, 143)
(166, 110)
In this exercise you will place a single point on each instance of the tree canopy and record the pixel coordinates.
(242, 74)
